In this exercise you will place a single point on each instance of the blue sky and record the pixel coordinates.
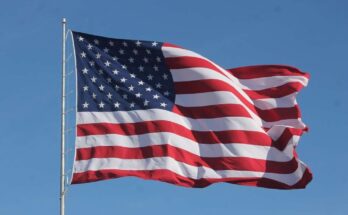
(309, 34)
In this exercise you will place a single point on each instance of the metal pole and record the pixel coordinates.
(62, 149)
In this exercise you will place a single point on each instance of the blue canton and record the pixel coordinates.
(121, 75)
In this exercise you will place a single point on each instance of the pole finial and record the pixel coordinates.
(64, 20)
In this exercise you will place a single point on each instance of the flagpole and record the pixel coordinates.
(62, 149)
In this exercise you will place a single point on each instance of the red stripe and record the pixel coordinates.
(173, 178)
(170, 45)
(260, 71)
(285, 137)
(268, 183)
(212, 111)
(210, 85)
(230, 110)
(275, 92)
(201, 86)
(181, 155)
(189, 62)
(276, 114)
(229, 136)
(235, 110)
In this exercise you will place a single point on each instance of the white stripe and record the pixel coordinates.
(282, 102)
(207, 98)
(215, 124)
(295, 123)
(178, 52)
(183, 169)
(273, 81)
(202, 149)
(197, 73)
(275, 132)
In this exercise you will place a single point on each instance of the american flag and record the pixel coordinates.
(158, 111)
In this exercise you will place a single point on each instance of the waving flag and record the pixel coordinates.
(158, 111)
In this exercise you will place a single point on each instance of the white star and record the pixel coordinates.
(158, 85)
(109, 80)
(101, 105)
(100, 71)
(154, 44)
(155, 67)
(124, 67)
(146, 60)
(111, 43)
(117, 105)
(163, 104)
(141, 68)
(109, 95)
(89, 46)
(131, 88)
(121, 51)
(115, 58)
(117, 87)
(155, 96)
(150, 77)
(98, 55)
(135, 51)
(85, 88)
(107, 63)
(124, 44)
(148, 89)
(101, 87)
(94, 79)
(81, 38)
(85, 71)
(165, 76)
(94, 96)
(132, 105)
(106, 50)
(91, 63)
(140, 82)
(125, 96)
(96, 41)
(132, 75)
(138, 43)
(115, 72)
(148, 51)
(83, 54)
(146, 102)
(123, 80)
(166, 93)
(158, 59)
(138, 95)
(131, 60)
(85, 105)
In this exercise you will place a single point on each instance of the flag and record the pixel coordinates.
(158, 111)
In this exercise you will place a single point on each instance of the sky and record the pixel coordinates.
(309, 34)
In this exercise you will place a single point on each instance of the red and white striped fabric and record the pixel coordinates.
(238, 126)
